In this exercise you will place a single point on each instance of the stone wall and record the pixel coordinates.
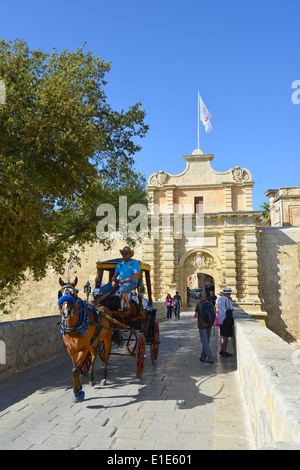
(269, 372)
(279, 266)
(28, 342)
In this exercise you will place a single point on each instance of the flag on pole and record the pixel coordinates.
(205, 115)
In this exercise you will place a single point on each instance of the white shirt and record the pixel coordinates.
(223, 305)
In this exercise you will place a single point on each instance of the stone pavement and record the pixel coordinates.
(179, 404)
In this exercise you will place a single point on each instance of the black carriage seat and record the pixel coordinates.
(110, 300)
(113, 302)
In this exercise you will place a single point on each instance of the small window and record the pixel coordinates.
(198, 205)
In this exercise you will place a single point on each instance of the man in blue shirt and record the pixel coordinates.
(128, 271)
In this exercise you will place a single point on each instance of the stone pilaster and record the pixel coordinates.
(169, 194)
(252, 265)
(230, 260)
(249, 203)
(228, 197)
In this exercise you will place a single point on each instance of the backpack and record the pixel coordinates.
(209, 314)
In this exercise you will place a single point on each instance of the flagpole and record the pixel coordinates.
(198, 121)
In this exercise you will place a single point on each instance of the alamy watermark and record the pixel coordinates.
(2, 353)
(296, 94)
(296, 353)
(137, 222)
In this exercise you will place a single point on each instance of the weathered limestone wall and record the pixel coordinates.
(279, 277)
(269, 371)
(284, 206)
(28, 342)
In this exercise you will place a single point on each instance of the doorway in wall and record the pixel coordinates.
(197, 282)
(205, 282)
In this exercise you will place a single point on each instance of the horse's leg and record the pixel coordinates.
(92, 380)
(75, 374)
(79, 380)
(77, 386)
(107, 346)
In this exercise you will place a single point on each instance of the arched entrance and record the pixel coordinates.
(205, 282)
(201, 267)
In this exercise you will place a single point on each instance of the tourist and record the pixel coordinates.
(204, 330)
(169, 303)
(217, 311)
(177, 303)
(225, 319)
(212, 298)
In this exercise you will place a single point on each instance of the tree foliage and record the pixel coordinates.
(266, 216)
(63, 151)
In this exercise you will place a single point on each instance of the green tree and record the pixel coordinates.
(63, 151)
(266, 216)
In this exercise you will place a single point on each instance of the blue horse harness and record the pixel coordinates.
(83, 322)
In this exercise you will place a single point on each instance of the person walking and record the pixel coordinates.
(169, 304)
(177, 303)
(204, 329)
(212, 298)
(225, 319)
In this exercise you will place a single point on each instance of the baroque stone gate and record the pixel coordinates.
(204, 223)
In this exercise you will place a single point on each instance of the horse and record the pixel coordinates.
(83, 328)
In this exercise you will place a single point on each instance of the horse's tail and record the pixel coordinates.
(117, 337)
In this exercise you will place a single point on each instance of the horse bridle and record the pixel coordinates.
(67, 288)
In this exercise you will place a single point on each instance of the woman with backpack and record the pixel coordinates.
(205, 313)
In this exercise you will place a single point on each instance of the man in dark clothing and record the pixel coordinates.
(212, 298)
(204, 330)
(176, 303)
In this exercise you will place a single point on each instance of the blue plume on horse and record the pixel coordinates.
(66, 298)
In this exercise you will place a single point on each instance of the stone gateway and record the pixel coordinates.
(224, 247)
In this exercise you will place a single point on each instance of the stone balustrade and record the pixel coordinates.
(269, 369)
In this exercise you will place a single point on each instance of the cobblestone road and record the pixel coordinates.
(180, 403)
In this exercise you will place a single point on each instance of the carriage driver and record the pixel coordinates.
(129, 272)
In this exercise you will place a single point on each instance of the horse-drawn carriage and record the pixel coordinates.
(102, 321)
(140, 323)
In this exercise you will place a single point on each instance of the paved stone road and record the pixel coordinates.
(180, 403)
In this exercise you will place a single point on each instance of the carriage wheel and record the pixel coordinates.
(155, 343)
(132, 338)
(85, 366)
(140, 356)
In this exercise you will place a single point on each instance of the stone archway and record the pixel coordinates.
(195, 261)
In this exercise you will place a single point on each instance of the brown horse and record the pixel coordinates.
(83, 328)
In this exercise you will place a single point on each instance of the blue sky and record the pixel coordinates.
(242, 55)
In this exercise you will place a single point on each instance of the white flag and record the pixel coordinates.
(205, 116)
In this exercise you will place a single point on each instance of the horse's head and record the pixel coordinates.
(67, 298)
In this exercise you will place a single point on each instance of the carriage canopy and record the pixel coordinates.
(109, 266)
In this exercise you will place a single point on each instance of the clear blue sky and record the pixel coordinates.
(242, 55)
